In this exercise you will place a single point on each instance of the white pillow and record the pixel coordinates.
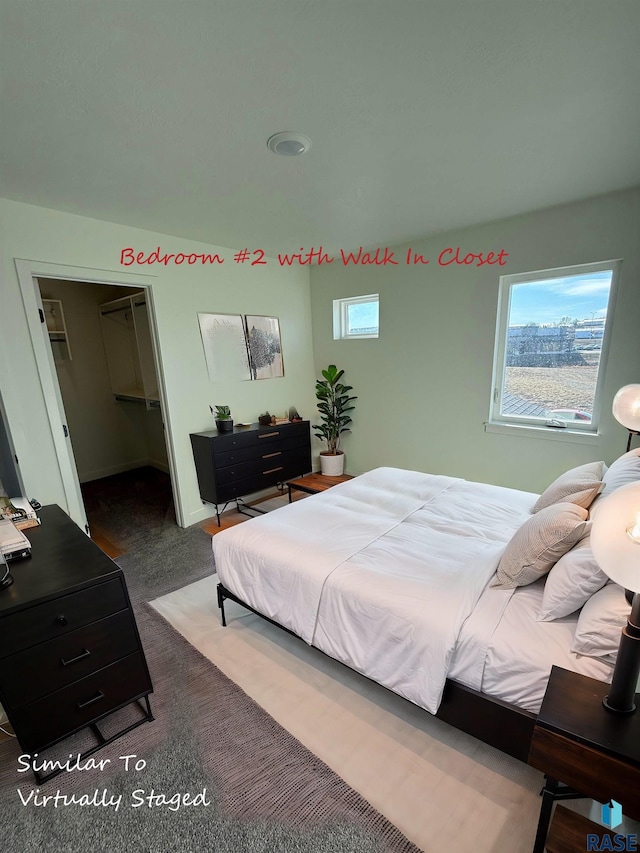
(600, 623)
(626, 469)
(539, 543)
(578, 486)
(571, 582)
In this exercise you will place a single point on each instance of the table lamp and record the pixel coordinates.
(615, 540)
(626, 410)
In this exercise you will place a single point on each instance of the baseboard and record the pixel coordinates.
(99, 473)
(160, 466)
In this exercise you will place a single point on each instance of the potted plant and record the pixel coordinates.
(224, 421)
(334, 405)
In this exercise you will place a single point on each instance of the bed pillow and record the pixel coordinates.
(600, 623)
(578, 486)
(539, 543)
(571, 582)
(626, 469)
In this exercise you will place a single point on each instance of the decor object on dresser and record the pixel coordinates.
(234, 464)
(70, 652)
(615, 540)
(626, 409)
(224, 421)
(334, 405)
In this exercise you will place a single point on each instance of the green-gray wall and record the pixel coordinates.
(424, 385)
(179, 293)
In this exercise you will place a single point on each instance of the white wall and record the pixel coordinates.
(107, 436)
(424, 385)
(179, 293)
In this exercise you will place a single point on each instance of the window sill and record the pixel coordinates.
(573, 436)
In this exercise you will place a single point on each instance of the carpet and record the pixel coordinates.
(254, 786)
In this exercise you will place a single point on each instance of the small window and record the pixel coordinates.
(356, 317)
(551, 346)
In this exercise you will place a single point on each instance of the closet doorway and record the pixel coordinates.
(101, 343)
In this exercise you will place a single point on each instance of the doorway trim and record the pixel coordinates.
(29, 271)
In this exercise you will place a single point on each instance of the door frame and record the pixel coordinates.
(29, 272)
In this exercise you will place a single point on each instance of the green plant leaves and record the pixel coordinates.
(333, 404)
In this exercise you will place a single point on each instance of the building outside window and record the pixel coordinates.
(551, 346)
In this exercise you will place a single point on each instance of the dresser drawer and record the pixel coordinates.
(61, 713)
(294, 466)
(267, 462)
(60, 616)
(264, 435)
(259, 451)
(35, 672)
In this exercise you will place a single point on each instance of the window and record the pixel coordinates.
(551, 346)
(356, 317)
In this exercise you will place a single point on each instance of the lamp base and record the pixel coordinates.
(614, 710)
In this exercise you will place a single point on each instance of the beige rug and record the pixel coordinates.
(443, 789)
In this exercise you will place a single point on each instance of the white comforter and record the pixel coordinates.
(380, 572)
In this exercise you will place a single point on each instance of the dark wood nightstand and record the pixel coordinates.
(583, 749)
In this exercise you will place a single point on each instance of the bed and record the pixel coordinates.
(394, 574)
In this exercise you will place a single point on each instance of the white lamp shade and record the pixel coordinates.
(626, 407)
(616, 551)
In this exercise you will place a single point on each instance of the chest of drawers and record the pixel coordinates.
(70, 652)
(233, 464)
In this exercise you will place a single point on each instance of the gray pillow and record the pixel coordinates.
(539, 543)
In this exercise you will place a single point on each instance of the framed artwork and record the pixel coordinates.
(225, 346)
(265, 347)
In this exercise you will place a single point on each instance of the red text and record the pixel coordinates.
(128, 257)
(454, 256)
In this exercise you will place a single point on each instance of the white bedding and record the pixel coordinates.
(505, 652)
(381, 572)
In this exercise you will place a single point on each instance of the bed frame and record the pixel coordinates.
(492, 721)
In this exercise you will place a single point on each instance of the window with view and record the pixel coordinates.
(356, 317)
(551, 345)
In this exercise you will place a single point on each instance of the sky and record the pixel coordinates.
(580, 297)
(363, 315)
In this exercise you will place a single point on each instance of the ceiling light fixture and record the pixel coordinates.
(289, 143)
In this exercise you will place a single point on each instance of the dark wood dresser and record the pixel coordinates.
(70, 652)
(230, 465)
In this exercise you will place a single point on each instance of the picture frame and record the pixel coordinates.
(225, 346)
(265, 346)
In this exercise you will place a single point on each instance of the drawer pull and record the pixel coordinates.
(99, 695)
(273, 470)
(268, 434)
(270, 455)
(83, 654)
(62, 620)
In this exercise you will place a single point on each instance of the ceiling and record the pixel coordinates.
(424, 116)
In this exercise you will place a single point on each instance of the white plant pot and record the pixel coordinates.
(332, 466)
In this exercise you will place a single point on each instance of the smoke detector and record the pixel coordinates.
(289, 143)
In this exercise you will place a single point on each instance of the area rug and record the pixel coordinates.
(212, 772)
(442, 788)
